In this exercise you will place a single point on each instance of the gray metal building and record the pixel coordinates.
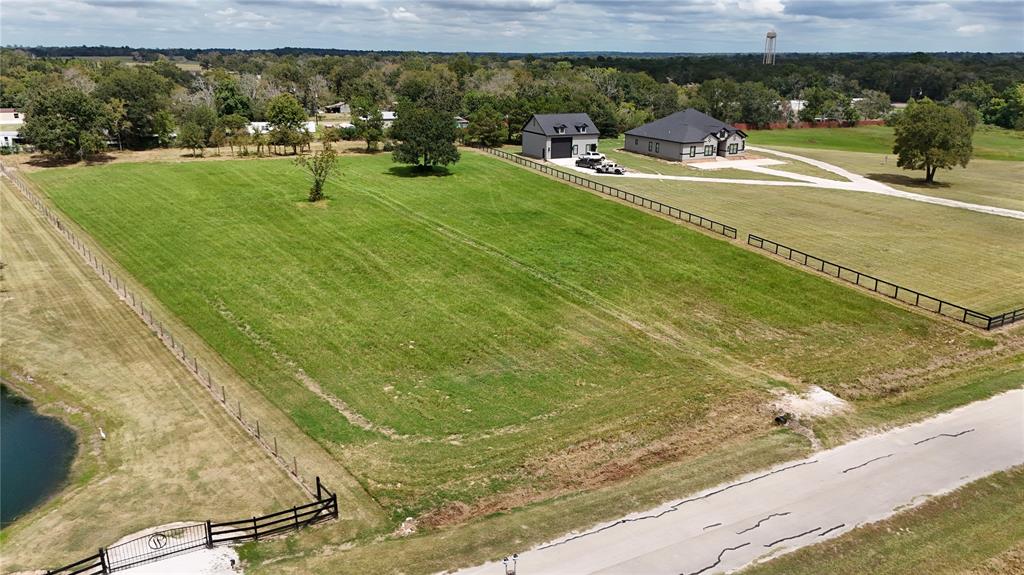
(553, 136)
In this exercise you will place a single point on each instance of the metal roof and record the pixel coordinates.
(571, 122)
(686, 126)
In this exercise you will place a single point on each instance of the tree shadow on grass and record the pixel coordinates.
(419, 171)
(44, 161)
(902, 180)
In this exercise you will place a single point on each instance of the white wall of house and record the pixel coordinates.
(583, 144)
(731, 146)
(681, 152)
(12, 117)
(7, 138)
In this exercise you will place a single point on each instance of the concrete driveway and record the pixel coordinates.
(797, 504)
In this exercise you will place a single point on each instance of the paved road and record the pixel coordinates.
(797, 504)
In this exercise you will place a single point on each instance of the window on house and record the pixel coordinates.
(591, 147)
(650, 146)
(743, 144)
(581, 128)
(693, 151)
(575, 150)
(559, 129)
(709, 150)
(636, 141)
(16, 116)
(734, 148)
(657, 147)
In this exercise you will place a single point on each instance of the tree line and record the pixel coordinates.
(77, 106)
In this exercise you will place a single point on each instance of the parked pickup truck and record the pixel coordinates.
(590, 159)
(610, 168)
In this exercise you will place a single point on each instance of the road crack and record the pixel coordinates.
(797, 536)
(927, 439)
(676, 506)
(867, 462)
(719, 560)
(762, 521)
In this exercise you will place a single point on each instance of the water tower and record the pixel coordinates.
(769, 48)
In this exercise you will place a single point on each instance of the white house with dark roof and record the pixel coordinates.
(686, 135)
(11, 116)
(554, 136)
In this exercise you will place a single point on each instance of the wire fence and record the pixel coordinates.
(644, 202)
(234, 406)
(887, 288)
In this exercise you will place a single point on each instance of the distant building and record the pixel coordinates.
(11, 116)
(9, 138)
(461, 123)
(554, 136)
(338, 108)
(686, 135)
(264, 127)
(388, 116)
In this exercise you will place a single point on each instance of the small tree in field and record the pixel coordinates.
(930, 136)
(193, 137)
(321, 165)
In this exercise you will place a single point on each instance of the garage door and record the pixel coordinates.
(561, 148)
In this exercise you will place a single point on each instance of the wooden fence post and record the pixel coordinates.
(255, 529)
(209, 534)
(318, 488)
(103, 561)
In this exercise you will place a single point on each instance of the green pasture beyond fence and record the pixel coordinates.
(871, 283)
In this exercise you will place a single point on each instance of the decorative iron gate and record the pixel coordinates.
(155, 546)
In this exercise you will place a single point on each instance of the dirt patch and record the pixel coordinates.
(815, 402)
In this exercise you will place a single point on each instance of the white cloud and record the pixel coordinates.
(971, 30)
(402, 14)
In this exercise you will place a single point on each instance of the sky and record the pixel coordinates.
(522, 25)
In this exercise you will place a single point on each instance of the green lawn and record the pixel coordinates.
(965, 257)
(987, 182)
(977, 529)
(509, 337)
(990, 142)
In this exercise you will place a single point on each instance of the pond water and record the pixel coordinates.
(35, 456)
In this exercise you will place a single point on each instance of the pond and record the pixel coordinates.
(35, 456)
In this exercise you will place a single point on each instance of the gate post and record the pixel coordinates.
(318, 496)
(209, 535)
(103, 561)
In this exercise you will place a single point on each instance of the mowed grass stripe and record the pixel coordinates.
(500, 320)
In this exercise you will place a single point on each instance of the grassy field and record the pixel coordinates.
(83, 357)
(482, 339)
(978, 529)
(987, 182)
(962, 256)
(990, 142)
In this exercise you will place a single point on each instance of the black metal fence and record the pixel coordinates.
(162, 544)
(92, 565)
(654, 205)
(887, 288)
(155, 546)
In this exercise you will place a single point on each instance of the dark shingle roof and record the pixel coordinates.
(548, 122)
(686, 126)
